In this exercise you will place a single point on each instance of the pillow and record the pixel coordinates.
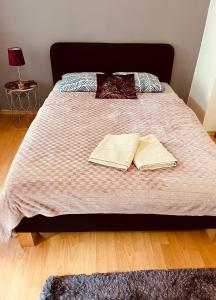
(85, 74)
(78, 82)
(145, 82)
(115, 86)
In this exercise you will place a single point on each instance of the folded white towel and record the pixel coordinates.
(151, 154)
(116, 151)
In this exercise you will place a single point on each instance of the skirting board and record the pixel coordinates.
(15, 112)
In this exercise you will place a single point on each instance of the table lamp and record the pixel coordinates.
(16, 58)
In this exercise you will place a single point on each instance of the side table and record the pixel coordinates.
(22, 102)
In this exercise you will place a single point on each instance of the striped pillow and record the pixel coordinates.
(78, 82)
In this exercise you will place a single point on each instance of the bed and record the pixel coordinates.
(52, 188)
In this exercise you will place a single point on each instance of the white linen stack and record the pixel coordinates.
(152, 155)
(118, 151)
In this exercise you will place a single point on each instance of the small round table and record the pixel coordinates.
(22, 101)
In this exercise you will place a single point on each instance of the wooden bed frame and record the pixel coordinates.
(103, 57)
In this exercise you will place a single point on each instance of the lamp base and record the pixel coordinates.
(21, 85)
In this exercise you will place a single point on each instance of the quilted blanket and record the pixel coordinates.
(51, 175)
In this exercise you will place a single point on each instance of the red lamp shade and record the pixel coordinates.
(15, 56)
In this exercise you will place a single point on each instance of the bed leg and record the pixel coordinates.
(211, 234)
(27, 239)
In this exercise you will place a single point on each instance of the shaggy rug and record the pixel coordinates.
(182, 284)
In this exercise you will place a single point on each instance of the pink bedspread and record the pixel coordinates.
(51, 175)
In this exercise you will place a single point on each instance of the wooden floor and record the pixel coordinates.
(23, 271)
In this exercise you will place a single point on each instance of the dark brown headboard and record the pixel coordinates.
(106, 57)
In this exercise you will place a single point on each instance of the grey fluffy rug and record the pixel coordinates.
(183, 284)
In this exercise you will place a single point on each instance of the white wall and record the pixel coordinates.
(202, 98)
(209, 122)
(35, 25)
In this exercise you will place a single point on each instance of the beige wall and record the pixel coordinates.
(35, 25)
(202, 98)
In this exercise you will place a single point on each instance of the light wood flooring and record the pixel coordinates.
(23, 271)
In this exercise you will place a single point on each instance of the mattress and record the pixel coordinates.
(167, 88)
(51, 175)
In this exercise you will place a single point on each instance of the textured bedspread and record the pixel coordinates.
(51, 174)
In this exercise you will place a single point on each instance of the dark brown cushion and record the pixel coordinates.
(115, 86)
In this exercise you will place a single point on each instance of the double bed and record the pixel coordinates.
(51, 186)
